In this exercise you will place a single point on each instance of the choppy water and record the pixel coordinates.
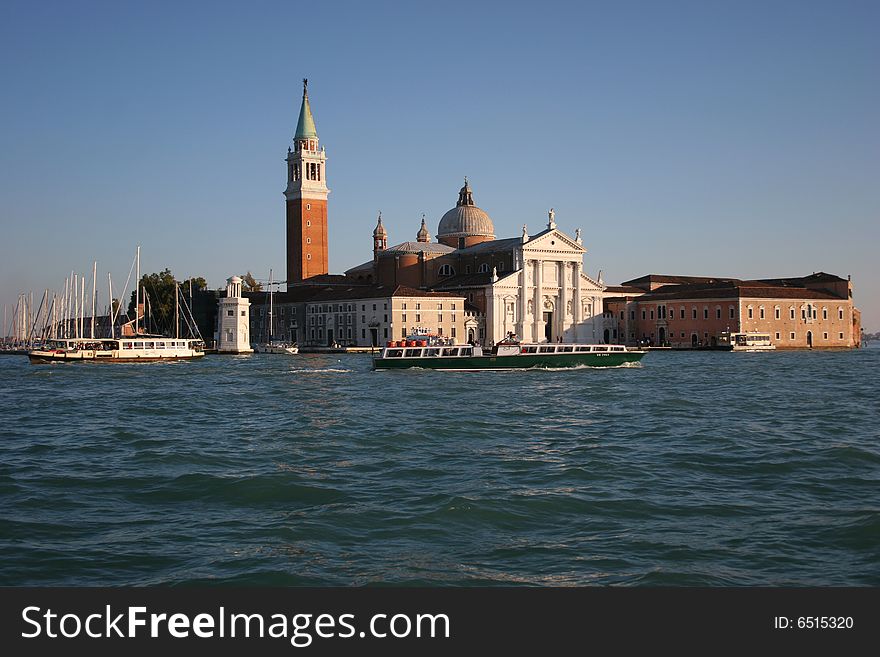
(695, 469)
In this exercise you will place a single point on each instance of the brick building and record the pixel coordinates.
(813, 311)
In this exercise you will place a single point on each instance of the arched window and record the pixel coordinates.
(483, 269)
(446, 270)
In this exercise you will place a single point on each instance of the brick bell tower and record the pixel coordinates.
(306, 198)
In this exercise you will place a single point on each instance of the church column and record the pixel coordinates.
(577, 303)
(539, 312)
(522, 303)
(563, 310)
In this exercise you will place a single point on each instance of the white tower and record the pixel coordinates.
(232, 321)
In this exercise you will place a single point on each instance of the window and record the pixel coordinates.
(777, 335)
(403, 332)
(705, 312)
(791, 312)
(439, 330)
(791, 336)
(439, 317)
(363, 334)
(403, 317)
(644, 314)
(363, 307)
(694, 312)
(363, 319)
(453, 331)
(439, 306)
(776, 313)
(418, 318)
(652, 313)
(453, 306)
(824, 313)
(308, 240)
(840, 336)
(386, 319)
(229, 313)
(621, 315)
(385, 332)
(761, 312)
(840, 313)
(308, 223)
(731, 312)
(501, 266)
(308, 256)
(483, 269)
(418, 306)
(467, 269)
(446, 270)
(824, 336)
(632, 314)
(718, 312)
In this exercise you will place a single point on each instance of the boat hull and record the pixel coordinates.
(517, 362)
(48, 357)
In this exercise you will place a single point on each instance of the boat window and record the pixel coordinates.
(616, 348)
(546, 350)
(432, 352)
(149, 345)
(413, 353)
(450, 351)
(466, 351)
(160, 345)
(530, 350)
(126, 345)
(138, 345)
(566, 349)
(394, 353)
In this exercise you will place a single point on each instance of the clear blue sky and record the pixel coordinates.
(725, 138)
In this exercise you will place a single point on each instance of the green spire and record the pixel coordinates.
(305, 128)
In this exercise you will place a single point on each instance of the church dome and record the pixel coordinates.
(465, 219)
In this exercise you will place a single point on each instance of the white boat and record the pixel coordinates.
(67, 343)
(139, 349)
(751, 341)
(271, 346)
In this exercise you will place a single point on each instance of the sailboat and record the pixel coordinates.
(133, 346)
(271, 346)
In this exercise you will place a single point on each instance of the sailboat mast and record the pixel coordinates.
(271, 308)
(110, 313)
(137, 293)
(94, 292)
(176, 310)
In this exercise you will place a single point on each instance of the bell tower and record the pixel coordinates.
(306, 199)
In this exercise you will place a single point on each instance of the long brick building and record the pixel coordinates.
(814, 311)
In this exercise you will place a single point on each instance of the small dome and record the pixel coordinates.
(379, 231)
(465, 219)
(233, 280)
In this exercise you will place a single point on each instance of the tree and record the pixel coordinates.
(250, 284)
(158, 288)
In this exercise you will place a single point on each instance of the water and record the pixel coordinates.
(694, 469)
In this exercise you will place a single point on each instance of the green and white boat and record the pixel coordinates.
(506, 355)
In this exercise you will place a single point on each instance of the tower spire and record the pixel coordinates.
(305, 128)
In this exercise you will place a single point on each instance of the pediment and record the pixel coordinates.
(553, 241)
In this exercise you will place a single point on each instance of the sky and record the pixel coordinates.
(696, 138)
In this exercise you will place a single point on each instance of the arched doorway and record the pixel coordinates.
(810, 339)
(606, 336)
(661, 336)
(694, 340)
(470, 335)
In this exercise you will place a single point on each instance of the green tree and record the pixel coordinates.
(250, 284)
(158, 288)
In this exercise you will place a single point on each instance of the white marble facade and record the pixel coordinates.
(547, 298)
